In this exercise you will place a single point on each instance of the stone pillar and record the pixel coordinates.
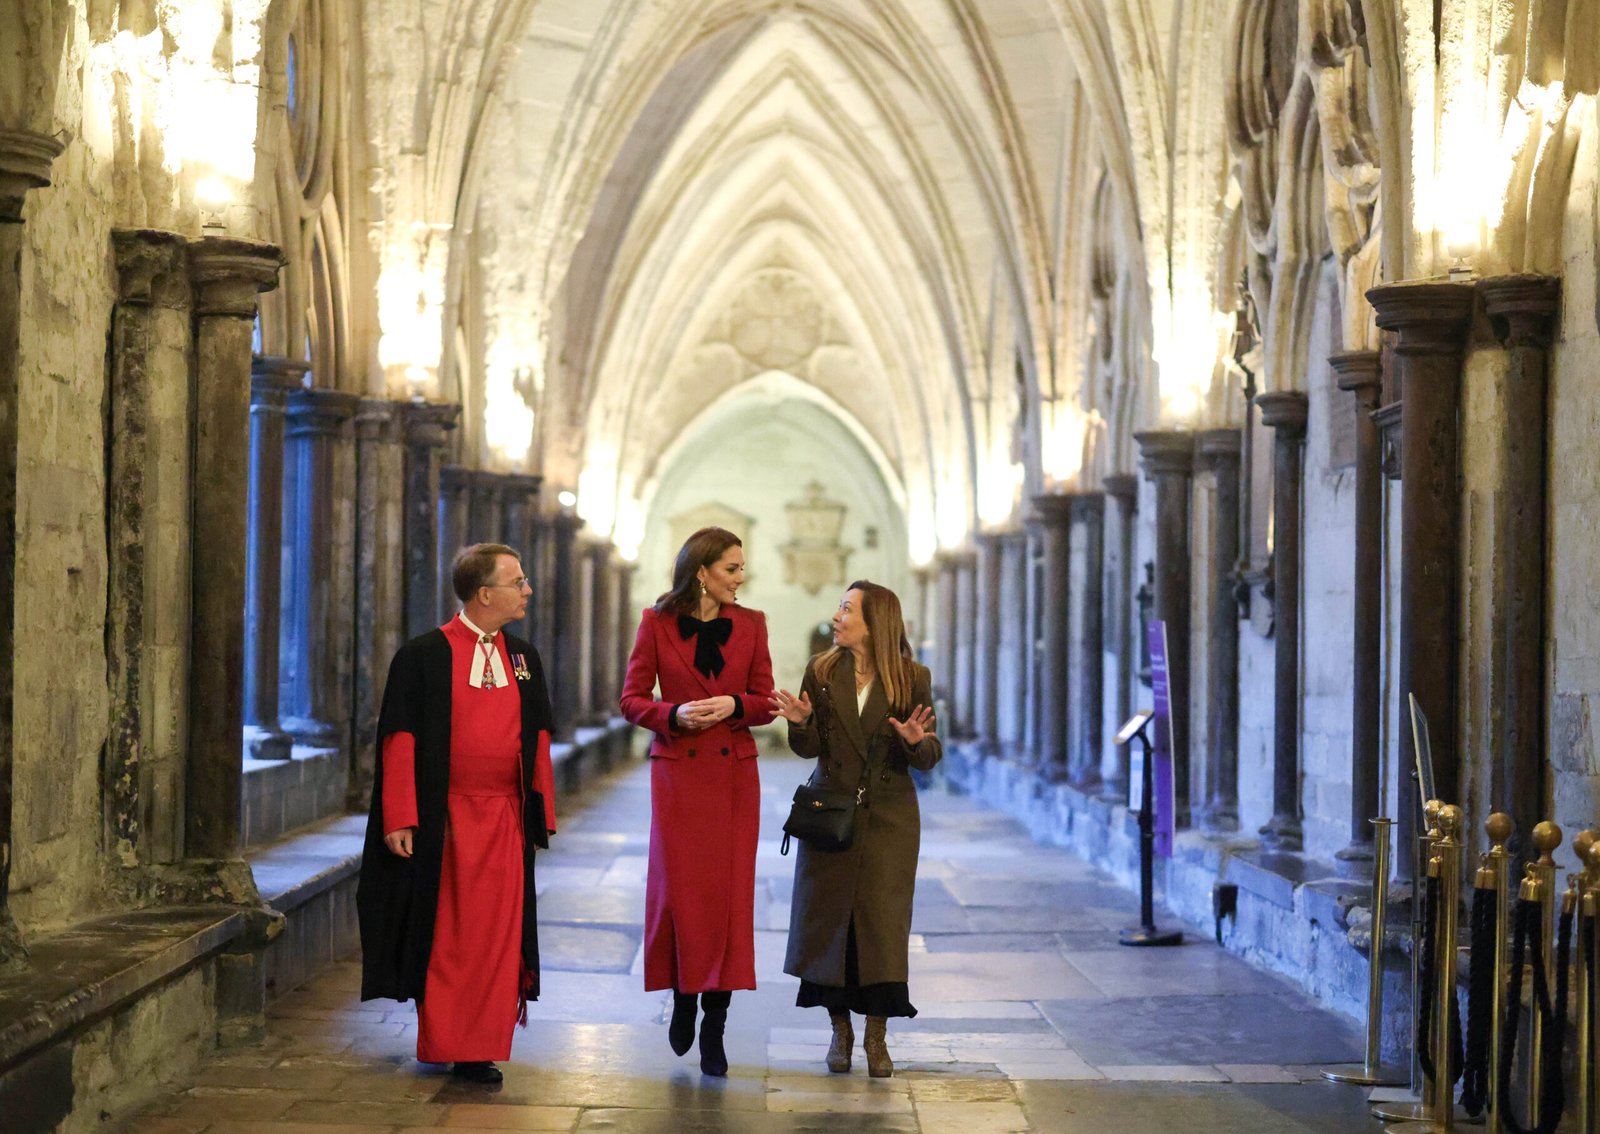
(486, 509)
(627, 625)
(565, 670)
(227, 274)
(1123, 490)
(1016, 645)
(1431, 323)
(1360, 372)
(271, 382)
(426, 427)
(543, 604)
(152, 281)
(602, 605)
(1168, 459)
(1218, 452)
(1284, 412)
(1522, 309)
(521, 532)
(965, 565)
(25, 160)
(455, 532)
(380, 553)
(987, 660)
(311, 698)
(921, 630)
(943, 618)
(1052, 516)
(1087, 698)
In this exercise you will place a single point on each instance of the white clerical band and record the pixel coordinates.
(497, 667)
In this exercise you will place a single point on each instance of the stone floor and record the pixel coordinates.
(1031, 1016)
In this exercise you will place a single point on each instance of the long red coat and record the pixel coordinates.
(705, 798)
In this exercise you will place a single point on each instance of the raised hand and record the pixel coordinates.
(917, 726)
(795, 710)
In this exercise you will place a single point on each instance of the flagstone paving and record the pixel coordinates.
(1031, 1018)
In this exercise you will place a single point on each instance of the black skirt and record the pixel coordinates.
(890, 998)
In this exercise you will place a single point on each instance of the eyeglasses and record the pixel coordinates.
(518, 583)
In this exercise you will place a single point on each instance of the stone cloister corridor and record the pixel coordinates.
(1031, 1017)
(1265, 329)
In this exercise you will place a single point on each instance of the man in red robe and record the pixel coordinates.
(464, 792)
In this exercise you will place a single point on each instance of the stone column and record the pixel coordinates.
(455, 532)
(986, 661)
(602, 604)
(1168, 459)
(379, 604)
(921, 631)
(1284, 412)
(1087, 669)
(1430, 320)
(227, 274)
(1360, 372)
(271, 382)
(1123, 490)
(486, 509)
(566, 664)
(426, 426)
(965, 565)
(543, 604)
(943, 617)
(25, 160)
(1052, 515)
(152, 280)
(521, 532)
(1218, 452)
(1522, 309)
(311, 698)
(1016, 645)
(627, 626)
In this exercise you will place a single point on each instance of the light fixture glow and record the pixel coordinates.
(567, 498)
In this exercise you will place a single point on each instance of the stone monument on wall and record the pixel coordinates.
(814, 558)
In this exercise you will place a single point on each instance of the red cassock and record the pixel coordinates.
(476, 977)
(705, 797)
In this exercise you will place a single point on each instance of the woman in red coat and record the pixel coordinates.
(710, 659)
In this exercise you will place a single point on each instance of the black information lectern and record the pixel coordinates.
(1146, 933)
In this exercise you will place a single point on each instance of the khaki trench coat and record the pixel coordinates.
(873, 881)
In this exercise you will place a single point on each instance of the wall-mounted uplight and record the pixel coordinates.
(213, 195)
(567, 498)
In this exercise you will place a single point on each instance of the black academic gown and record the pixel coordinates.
(397, 898)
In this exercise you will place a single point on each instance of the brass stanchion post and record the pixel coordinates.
(1371, 1073)
(1445, 865)
(1542, 876)
(1581, 894)
(1499, 828)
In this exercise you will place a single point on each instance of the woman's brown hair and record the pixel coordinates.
(886, 642)
(702, 549)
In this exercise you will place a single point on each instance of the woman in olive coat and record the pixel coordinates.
(865, 713)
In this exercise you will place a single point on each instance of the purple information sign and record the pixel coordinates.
(1161, 769)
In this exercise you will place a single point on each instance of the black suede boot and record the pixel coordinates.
(680, 1033)
(478, 1072)
(713, 1059)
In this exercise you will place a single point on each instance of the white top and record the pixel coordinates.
(861, 697)
(486, 648)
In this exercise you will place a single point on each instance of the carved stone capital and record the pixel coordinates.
(1163, 451)
(1218, 448)
(1122, 487)
(1430, 316)
(320, 413)
(1088, 507)
(272, 380)
(1360, 372)
(1522, 308)
(1050, 509)
(523, 484)
(1285, 411)
(151, 267)
(25, 160)
(229, 272)
(428, 422)
(378, 419)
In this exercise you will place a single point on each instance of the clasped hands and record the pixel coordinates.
(693, 716)
(916, 728)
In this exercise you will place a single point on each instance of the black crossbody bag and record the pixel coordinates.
(822, 818)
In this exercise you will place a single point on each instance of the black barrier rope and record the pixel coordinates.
(1529, 935)
(1480, 1002)
(1427, 976)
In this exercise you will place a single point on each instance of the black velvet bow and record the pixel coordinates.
(709, 638)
